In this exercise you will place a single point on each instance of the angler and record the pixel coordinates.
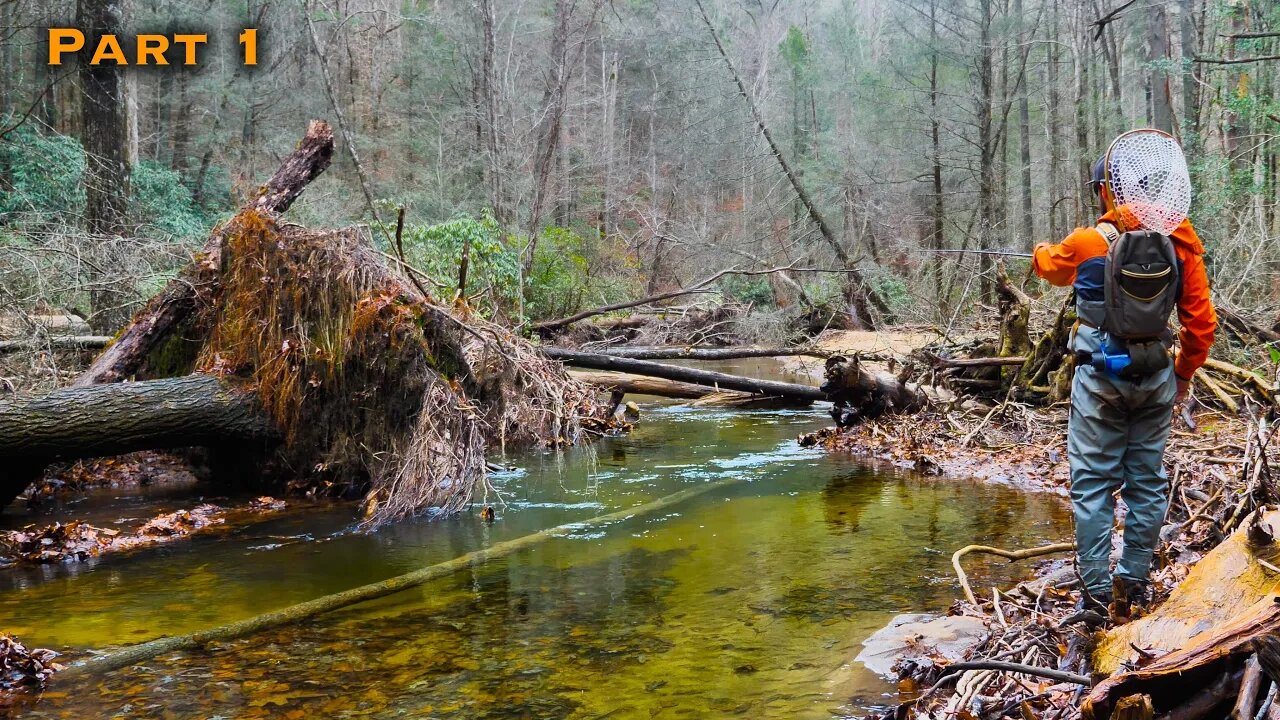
(1140, 262)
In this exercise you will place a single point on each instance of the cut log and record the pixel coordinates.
(152, 325)
(724, 381)
(56, 342)
(80, 422)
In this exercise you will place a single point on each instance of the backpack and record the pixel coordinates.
(1141, 285)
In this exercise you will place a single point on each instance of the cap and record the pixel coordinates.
(1099, 172)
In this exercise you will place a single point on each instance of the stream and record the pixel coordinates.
(749, 601)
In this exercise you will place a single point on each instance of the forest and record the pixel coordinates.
(599, 151)
(400, 264)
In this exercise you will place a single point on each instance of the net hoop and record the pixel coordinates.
(1147, 176)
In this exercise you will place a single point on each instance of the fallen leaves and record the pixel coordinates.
(23, 670)
(78, 541)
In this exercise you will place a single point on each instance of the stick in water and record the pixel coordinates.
(145, 651)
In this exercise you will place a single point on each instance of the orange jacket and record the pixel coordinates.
(1058, 263)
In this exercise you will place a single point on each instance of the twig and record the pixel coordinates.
(1008, 554)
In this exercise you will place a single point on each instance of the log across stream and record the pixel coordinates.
(751, 598)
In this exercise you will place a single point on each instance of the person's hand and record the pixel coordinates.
(1184, 389)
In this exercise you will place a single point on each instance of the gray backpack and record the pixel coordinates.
(1141, 286)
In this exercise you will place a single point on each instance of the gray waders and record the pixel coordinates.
(1115, 440)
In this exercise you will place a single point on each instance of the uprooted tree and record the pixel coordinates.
(302, 356)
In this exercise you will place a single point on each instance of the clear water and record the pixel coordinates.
(749, 601)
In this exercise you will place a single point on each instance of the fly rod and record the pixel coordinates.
(1002, 253)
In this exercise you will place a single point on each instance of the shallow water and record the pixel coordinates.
(750, 600)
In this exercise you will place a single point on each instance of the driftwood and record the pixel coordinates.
(125, 657)
(725, 381)
(1006, 554)
(153, 325)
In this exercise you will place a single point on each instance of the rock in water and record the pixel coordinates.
(916, 635)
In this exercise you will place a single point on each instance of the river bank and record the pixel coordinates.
(1217, 473)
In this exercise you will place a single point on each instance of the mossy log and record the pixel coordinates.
(80, 422)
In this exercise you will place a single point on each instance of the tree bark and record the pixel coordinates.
(595, 361)
(151, 326)
(104, 111)
(1157, 55)
(80, 422)
(641, 385)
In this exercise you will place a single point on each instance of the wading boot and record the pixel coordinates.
(1091, 610)
(1132, 598)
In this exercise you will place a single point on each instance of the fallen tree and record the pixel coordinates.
(367, 386)
(708, 353)
(621, 384)
(725, 381)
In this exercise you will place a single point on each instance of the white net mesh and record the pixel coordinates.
(1148, 178)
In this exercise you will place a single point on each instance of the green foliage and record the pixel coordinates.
(559, 279)
(493, 271)
(747, 289)
(40, 176)
(160, 200)
(795, 49)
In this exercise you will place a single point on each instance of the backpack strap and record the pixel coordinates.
(1110, 233)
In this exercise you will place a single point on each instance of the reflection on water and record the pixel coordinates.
(749, 601)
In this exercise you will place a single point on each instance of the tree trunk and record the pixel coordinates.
(641, 385)
(935, 138)
(858, 394)
(105, 116)
(860, 295)
(1157, 55)
(1024, 124)
(1190, 106)
(595, 361)
(986, 147)
(80, 422)
(175, 303)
